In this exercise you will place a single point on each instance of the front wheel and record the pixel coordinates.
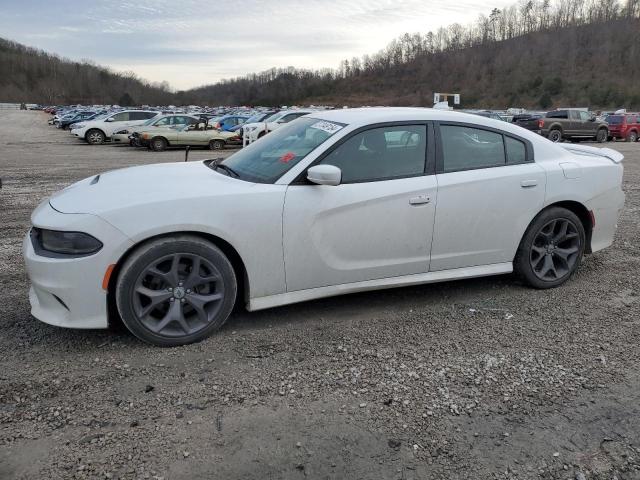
(632, 137)
(551, 249)
(158, 144)
(602, 135)
(176, 290)
(216, 145)
(95, 137)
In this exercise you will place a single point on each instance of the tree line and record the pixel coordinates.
(536, 53)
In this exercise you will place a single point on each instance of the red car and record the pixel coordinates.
(624, 126)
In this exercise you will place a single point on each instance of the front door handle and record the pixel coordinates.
(419, 200)
(528, 183)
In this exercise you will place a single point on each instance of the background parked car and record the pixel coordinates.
(201, 134)
(130, 134)
(574, 125)
(257, 130)
(65, 124)
(98, 130)
(624, 126)
(527, 120)
(228, 122)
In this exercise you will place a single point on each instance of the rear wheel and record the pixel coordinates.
(632, 137)
(555, 135)
(158, 144)
(176, 290)
(551, 249)
(95, 137)
(216, 145)
(602, 135)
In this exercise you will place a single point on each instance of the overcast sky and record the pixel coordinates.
(191, 43)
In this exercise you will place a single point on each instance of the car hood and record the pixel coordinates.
(149, 184)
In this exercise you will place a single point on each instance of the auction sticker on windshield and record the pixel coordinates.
(328, 127)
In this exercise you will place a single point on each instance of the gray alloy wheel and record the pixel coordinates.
(555, 250)
(551, 248)
(216, 145)
(602, 135)
(555, 135)
(158, 144)
(95, 137)
(178, 294)
(632, 137)
(176, 290)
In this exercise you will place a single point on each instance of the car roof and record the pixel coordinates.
(366, 116)
(362, 117)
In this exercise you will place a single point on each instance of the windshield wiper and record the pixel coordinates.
(227, 169)
(215, 164)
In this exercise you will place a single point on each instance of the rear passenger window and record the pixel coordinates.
(516, 150)
(465, 148)
(121, 117)
(381, 154)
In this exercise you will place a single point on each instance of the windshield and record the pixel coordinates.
(613, 119)
(271, 157)
(152, 120)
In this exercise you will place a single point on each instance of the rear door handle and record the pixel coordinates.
(419, 200)
(528, 183)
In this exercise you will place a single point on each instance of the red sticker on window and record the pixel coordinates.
(287, 157)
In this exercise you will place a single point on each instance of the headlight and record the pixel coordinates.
(250, 128)
(52, 243)
(122, 132)
(78, 125)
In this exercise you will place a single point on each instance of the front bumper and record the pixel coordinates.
(67, 292)
(120, 138)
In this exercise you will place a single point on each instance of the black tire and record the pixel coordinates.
(216, 144)
(95, 137)
(543, 242)
(602, 135)
(632, 137)
(180, 314)
(158, 144)
(555, 135)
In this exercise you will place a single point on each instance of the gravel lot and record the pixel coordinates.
(474, 379)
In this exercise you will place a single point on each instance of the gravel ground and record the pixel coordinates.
(474, 379)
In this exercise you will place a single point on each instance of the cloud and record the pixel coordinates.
(191, 42)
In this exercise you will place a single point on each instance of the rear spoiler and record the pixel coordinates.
(609, 153)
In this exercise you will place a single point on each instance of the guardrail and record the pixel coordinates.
(9, 106)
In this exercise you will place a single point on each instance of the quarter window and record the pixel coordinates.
(465, 148)
(516, 150)
(381, 154)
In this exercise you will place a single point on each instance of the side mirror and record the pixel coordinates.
(592, 119)
(110, 119)
(325, 175)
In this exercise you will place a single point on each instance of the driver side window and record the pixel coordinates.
(381, 153)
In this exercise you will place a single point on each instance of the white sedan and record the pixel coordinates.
(332, 203)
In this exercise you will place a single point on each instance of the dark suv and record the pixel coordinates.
(624, 126)
(574, 125)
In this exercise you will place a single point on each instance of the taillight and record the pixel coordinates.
(540, 123)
